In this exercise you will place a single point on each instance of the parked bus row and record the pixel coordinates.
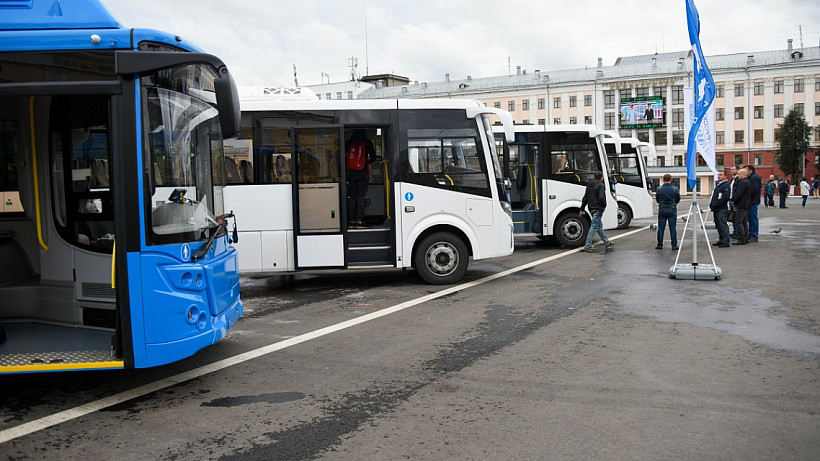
(118, 190)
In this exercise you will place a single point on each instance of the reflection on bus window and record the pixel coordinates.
(448, 163)
(574, 163)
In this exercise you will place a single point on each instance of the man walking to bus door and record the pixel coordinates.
(595, 197)
(668, 197)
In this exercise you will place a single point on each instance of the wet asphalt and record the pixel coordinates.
(591, 356)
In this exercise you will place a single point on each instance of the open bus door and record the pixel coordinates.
(318, 196)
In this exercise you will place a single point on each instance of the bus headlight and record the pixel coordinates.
(507, 209)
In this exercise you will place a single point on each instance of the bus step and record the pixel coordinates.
(56, 361)
(370, 254)
(377, 236)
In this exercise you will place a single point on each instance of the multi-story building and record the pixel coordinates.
(755, 90)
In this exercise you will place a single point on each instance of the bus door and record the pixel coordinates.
(318, 196)
(526, 187)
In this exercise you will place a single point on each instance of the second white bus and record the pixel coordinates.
(435, 194)
(632, 188)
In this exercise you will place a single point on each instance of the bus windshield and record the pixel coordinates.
(184, 156)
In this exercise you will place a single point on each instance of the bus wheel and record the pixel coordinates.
(441, 258)
(624, 216)
(571, 230)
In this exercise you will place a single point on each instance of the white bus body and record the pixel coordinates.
(559, 160)
(434, 194)
(628, 167)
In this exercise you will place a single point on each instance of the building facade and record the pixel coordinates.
(755, 91)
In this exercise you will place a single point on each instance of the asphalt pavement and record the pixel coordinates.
(584, 356)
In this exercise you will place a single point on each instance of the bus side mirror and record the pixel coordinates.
(507, 184)
(227, 103)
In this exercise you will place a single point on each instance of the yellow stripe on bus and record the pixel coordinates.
(61, 366)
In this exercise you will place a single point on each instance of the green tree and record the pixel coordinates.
(794, 131)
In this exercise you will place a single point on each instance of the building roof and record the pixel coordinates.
(659, 65)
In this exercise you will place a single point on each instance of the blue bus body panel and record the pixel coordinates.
(66, 40)
(185, 305)
(55, 14)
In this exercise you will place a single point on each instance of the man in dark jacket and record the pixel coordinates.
(720, 209)
(732, 184)
(742, 198)
(668, 197)
(757, 186)
(783, 190)
(595, 197)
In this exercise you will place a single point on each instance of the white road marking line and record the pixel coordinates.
(82, 410)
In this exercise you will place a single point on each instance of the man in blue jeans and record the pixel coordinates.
(595, 197)
(668, 197)
(757, 186)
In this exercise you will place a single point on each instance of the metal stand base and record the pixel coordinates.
(695, 272)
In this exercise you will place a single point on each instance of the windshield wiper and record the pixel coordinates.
(221, 229)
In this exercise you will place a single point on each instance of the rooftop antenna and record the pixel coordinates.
(295, 80)
(800, 28)
(366, 56)
(353, 63)
(509, 68)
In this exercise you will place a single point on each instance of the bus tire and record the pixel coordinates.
(571, 230)
(624, 215)
(441, 258)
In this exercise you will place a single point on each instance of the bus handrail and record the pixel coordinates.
(386, 188)
(35, 174)
(114, 266)
(532, 187)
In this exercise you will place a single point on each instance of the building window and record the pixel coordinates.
(738, 159)
(526, 121)
(817, 112)
(739, 136)
(798, 107)
(816, 84)
(758, 137)
(609, 121)
(738, 89)
(319, 95)
(556, 103)
(677, 94)
(609, 99)
(778, 86)
(542, 121)
(643, 136)
(587, 120)
(338, 95)
(327, 95)
(677, 138)
(510, 106)
(573, 120)
(525, 104)
(738, 113)
(541, 103)
(719, 113)
(659, 91)
(798, 85)
(778, 110)
(626, 93)
(573, 101)
(677, 117)
(660, 161)
(758, 88)
(587, 100)
(625, 133)
(556, 121)
(660, 137)
(349, 95)
(777, 134)
(758, 159)
(758, 111)
(720, 138)
(718, 91)
(642, 92)
(497, 105)
(679, 160)
(720, 160)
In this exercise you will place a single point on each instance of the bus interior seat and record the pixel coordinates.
(232, 171)
(246, 169)
(16, 266)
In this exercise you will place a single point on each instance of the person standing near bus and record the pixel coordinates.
(757, 185)
(742, 199)
(815, 188)
(732, 184)
(595, 197)
(359, 152)
(783, 190)
(668, 197)
(771, 186)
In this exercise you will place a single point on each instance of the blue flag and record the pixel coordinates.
(704, 90)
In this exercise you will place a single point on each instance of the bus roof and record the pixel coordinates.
(261, 103)
(592, 130)
(54, 14)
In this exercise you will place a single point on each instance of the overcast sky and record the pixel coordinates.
(261, 40)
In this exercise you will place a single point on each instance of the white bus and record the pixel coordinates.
(548, 167)
(632, 189)
(435, 192)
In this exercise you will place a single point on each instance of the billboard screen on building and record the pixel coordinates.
(642, 112)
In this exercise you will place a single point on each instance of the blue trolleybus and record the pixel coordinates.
(114, 250)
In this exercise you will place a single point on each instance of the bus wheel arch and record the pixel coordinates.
(625, 215)
(441, 255)
(570, 229)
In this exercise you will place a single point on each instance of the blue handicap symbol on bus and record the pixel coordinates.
(185, 252)
(408, 196)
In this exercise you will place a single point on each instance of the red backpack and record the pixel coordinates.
(356, 155)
